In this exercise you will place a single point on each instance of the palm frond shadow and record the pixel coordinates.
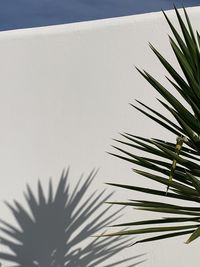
(53, 232)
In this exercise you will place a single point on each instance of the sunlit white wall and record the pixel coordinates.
(65, 93)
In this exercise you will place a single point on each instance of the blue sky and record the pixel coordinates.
(16, 14)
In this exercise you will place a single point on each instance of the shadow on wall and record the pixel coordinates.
(53, 234)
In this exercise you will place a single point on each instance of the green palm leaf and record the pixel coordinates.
(185, 183)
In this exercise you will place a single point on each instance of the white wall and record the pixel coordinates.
(64, 95)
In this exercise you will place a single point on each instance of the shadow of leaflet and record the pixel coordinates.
(52, 234)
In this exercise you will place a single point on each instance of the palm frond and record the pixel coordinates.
(162, 155)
